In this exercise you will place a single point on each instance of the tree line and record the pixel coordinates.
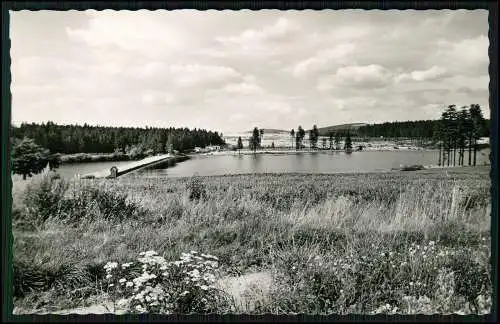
(70, 139)
(255, 141)
(409, 129)
(459, 130)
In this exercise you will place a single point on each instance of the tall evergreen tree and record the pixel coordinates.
(315, 136)
(478, 126)
(462, 133)
(255, 139)
(337, 141)
(239, 146)
(301, 133)
(348, 142)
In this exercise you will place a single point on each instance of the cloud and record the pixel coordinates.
(157, 98)
(369, 76)
(129, 30)
(237, 117)
(466, 56)
(281, 30)
(431, 74)
(276, 107)
(243, 88)
(278, 38)
(323, 59)
(187, 75)
(266, 68)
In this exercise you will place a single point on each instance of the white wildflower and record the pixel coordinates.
(150, 253)
(111, 265)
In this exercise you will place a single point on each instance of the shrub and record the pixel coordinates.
(425, 278)
(44, 197)
(48, 198)
(196, 188)
(154, 285)
(90, 203)
(29, 277)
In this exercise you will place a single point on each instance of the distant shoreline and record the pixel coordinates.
(289, 151)
(114, 157)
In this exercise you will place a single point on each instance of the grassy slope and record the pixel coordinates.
(254, 222)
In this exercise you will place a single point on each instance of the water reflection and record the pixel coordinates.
(328, 162)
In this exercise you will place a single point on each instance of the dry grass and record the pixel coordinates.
(254, 223)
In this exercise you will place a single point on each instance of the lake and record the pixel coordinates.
(320, 162)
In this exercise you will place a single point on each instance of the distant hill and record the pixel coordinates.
(271, 131)
(324, 131)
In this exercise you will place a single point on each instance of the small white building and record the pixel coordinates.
(483, 140)
(213, 148)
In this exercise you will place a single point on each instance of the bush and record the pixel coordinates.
(91, 203)
(48, 198)
(154, 285)
(196, 188)
(44, 197)
(414, 279)
(29, 277)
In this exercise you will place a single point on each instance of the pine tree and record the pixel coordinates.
(348, 142)
(239, 146)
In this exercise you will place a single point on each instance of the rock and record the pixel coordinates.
(415, 167)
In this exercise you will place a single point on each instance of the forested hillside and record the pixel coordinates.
(409, 129)
(69, 139)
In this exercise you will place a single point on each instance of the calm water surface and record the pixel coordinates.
(331, 162)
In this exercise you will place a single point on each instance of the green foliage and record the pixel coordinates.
(334, 243)
(93, 203)
(239, 146)
(408, 129)
(255, 140)
(348, 142)
(29, 277)
(381, 279)
(50, 198)
(299, 137)
(196, 188)
(154, 285)
(70, 139)
(29, 158)
(44, 198)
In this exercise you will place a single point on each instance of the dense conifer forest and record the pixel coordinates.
(69, 139)
(409, 129)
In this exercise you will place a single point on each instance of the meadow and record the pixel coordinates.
(390, 242)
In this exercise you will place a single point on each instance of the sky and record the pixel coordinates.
(232, 70)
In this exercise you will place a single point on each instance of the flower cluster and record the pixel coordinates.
(420, 305)
(424, 277)
(386, 309)
(155, 285)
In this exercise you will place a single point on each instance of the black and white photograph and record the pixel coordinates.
(321, 162)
